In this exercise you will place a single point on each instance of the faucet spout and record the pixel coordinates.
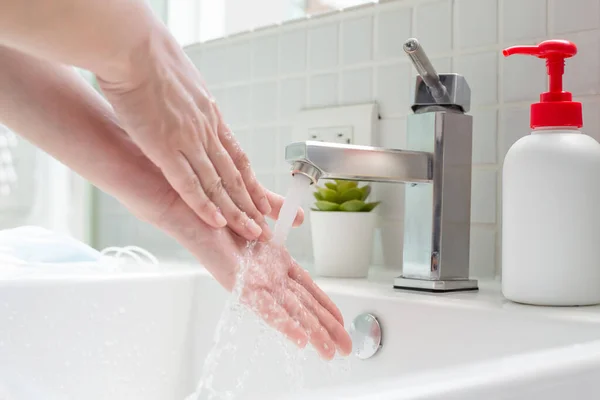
(363, 163)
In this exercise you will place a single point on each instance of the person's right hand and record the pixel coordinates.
(164, 105)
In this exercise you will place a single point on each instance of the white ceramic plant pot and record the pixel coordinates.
(342, 242)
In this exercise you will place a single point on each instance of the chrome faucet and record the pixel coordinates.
(437, 166)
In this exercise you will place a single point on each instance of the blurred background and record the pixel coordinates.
(264, 60)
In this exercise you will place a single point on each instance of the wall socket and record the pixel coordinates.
(353, 124)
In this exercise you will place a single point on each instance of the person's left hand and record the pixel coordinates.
(284, 295)
(270, 282)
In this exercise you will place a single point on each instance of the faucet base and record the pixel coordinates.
(423, 285)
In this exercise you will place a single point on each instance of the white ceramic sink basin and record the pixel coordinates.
(145, 335)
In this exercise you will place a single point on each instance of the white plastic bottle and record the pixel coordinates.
(551, 198)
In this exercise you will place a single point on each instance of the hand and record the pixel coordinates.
(55, 109)
(283, 294)
(165, 107)
(267, 280)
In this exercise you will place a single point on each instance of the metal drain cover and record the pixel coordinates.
(365, 333)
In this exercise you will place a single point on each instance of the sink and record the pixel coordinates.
(146, 334)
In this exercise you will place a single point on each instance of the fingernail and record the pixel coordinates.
(253, 228)
(220, 219)
(265, 206)
(343, 352)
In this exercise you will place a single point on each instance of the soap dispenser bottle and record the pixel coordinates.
(551, 198)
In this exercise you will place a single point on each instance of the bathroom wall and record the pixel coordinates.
(261, 79)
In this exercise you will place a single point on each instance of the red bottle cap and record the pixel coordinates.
(556, 107)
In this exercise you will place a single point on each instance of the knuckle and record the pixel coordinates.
(205, 206)
(241, 161)
(237, 182)
(215, 189)
(191, 185)
(255, 189)
(239, 218)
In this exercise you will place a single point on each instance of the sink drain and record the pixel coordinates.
(365, 333)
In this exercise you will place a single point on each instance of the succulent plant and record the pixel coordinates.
(343, 196)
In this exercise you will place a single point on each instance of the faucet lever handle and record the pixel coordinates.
(415, 51)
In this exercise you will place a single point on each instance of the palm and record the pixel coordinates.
(267, 279)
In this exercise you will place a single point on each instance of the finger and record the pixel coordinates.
(185, 181)
(267, 234)
(276, 202)
(326, 319)
(212, 184)
(319, 336)
(301, 276)
(265, 306)
(234, 183)
(240, 160)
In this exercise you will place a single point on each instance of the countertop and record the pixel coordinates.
(489, 296)
(378, 285)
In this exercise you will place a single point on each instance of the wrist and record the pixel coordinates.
(139, 56)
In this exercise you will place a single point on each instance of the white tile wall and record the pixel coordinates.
(357, 40)
(482, 71)
(357, 85)
(292, 52)
(476, 23)
(434, 26)
(575, 15)
(391, 25)
(237, 62)
(265, 57)
(323, 90)
(393, 89)
(357, 55)
(292, 96)
(323, 46)
(524, 20)
(264, 102)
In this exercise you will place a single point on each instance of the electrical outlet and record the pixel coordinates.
(340, 134)
(354, 124)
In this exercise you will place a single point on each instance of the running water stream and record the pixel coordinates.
(228, 372)
(293, 200)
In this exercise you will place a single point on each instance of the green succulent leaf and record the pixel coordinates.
(352, 206)
(343, 186)
(318, 196)
(366, 191)
(327, 206)
(329, 195)
(351, 194)
(370, 206)
(331, 185)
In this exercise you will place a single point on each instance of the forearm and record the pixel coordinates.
(51, 106)
(102, 36)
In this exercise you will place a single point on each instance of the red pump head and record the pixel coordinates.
(556, 107)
